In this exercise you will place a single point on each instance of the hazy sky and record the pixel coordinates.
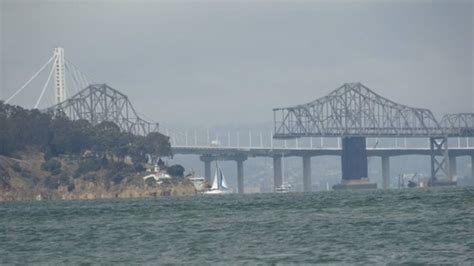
(206, 63)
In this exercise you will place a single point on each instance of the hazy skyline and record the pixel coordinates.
(205, 63)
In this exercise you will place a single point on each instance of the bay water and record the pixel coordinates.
(379, 226)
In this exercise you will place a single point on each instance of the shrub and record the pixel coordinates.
(64, 179)
(4, 179)
(90, 177)
(26, 174)
(176, 170)
(50, 183)
(88, 165)
(47, 154)
(16, 167)
(104, 162)
(118, 171)
(52, 165)
(138, 167)
(71, 187)
(118, 178)
(150, 182)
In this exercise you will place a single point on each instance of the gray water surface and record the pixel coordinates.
(397, 226)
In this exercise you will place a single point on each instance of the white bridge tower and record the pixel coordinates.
(60, 77)
(62, 70)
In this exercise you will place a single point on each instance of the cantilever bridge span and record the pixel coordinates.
(354, 112)
(99, 102)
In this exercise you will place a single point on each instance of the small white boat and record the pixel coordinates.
(199, 182)
(285, 187)
(219, 185)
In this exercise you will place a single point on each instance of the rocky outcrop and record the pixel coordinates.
(90, 190)
(23, 179)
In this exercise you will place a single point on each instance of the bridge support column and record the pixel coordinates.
(386, 172)
(354, 158)
(207, 171)
(277, 171)
(207, 159)
(452, 166)
(240, 176)
(472, 170)
(306, 173)
(354, 165)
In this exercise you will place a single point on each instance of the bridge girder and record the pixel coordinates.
(99, 102)
(461, 124)
(353, 110)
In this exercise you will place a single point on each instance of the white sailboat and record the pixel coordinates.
(219, 185)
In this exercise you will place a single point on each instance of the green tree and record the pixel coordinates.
(176, 170)
(106, 136)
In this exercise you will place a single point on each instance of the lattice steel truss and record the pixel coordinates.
(353, 110)
(461, 124)
(98, 103)
(439, 157)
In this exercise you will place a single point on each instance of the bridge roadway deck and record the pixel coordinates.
(221, 151)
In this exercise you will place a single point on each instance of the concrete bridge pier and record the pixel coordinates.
(452, 166)
(385, 172)
(472, 170)
(306, 173)
(277, 171)
(354, 158)
(240, 176)
(207, 159)
(354, 164)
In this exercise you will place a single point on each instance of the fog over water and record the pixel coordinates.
(199, 63)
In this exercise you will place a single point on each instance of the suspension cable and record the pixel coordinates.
(44, 87)
(32, 78)
(73, 78)
(82, 75)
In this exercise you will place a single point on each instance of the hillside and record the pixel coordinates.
(49, 156)
(29, 176)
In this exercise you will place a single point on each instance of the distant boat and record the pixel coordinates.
(199, 183)
(219, 185)
(412, 183)
(284, 187)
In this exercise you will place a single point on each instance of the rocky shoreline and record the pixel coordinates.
(90, 191)
(23, 179)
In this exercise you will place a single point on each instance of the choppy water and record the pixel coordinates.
(416, 226)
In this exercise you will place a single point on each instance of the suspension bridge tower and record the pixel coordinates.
(60, 77)
(61, 72)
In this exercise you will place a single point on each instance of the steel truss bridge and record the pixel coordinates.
(354, 112)
(99, 102)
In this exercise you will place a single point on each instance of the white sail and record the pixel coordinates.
(223, 182)
(215, 183)
(219, 185)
